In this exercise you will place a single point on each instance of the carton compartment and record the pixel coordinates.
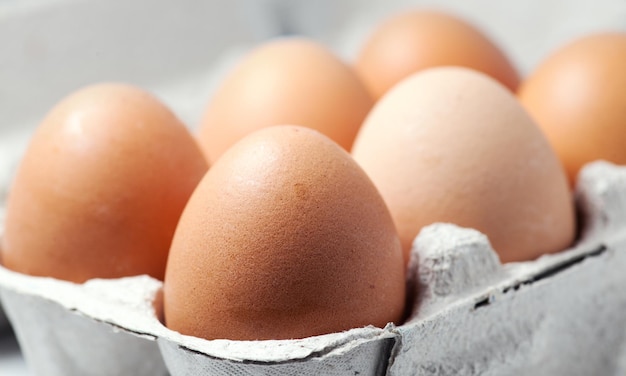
(559, 314)
(69, 329)
(356, 356)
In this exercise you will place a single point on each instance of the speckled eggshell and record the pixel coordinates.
(101, 187)
(285, 237)
(453, 145)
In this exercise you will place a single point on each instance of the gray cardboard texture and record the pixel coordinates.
(357, 357)
(560, 314)
(3, 319)
(68, 329)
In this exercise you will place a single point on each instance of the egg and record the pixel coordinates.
(414, 40)
(101, 187)
(578, 97)
(453, 145)
(285, 81)
(285, 237)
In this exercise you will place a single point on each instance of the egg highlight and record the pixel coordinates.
(101, 187)
(578, 98)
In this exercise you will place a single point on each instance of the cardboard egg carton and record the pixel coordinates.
(560, 314)
(4, 323)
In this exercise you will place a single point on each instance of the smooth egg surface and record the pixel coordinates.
(285, 81)
(285, 237)
(415, 40)
(578, 98)
(453, 145)
(101, 187)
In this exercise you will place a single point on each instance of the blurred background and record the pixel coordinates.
(51, 47)
(180, 49)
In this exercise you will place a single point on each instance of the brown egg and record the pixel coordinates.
(286, 81)
(578, 97)
(285, 237)
(418, 39)
(101, 187)
(453, 145)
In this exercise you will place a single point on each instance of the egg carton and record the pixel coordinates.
(560, 314)
(4, 323)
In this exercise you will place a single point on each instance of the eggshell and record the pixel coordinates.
(453, 145)
(418, 39)
(286, 81)
(101, 187)
(285, 237)
(578, 97)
